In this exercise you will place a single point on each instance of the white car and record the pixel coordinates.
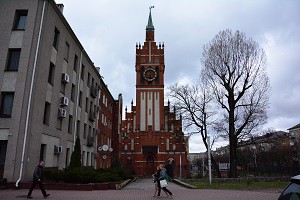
(292, 191)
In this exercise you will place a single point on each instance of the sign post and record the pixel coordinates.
(209, 158)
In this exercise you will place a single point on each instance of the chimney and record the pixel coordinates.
(60, 7)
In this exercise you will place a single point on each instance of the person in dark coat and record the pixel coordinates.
(170, 170)
(38, 178)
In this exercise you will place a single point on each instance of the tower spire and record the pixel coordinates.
(150, 23)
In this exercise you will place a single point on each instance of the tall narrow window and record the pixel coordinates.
(132, 144)
(20, 19)
(86, 104)
(84, 131)
(87, 158)
(51, 73)
(59, 124)
(47, 113)
(168, 144)
(75, 63)
(56, 38)
(82, 72)
(13, 59)
(67, 50)
(90, 131)
(42, 152)
(89, 80)
(73, 92)
(7, 99)
(63, 88)
(83, 158)
(67, 157)
(70, 124)
(80, 99)
(78, 128)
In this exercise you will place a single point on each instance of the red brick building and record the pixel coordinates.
(152, 133)
(109, 125)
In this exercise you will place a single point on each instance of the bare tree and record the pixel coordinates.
(235, 68)
(193, 101)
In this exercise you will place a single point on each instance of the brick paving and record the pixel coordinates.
(143, 189)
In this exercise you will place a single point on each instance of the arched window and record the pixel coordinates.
(128, 161)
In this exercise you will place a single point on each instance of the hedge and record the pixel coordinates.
(79, 175)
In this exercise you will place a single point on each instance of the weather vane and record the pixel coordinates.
(151, 8)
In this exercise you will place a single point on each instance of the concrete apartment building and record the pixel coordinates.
(50, 90)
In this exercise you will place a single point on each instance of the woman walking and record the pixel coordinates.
(156, 182)
(162, 175)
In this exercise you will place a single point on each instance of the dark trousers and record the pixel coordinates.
(34, 183)
(164, 189)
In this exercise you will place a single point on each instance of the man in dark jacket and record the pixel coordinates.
(38, 178)
(170, 170)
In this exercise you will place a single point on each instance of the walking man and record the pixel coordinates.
(38, 178)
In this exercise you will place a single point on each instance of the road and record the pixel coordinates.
(143, 189)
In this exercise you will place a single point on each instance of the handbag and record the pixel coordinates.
(163, 183)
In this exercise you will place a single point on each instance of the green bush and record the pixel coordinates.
(79, 175)
(76, 155)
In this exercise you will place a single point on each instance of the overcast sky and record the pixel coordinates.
(109, 30)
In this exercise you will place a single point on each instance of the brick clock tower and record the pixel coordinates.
(152, 134)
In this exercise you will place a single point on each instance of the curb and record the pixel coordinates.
(123, 184)
(179, 182)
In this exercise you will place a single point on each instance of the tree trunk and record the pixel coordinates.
(233, 157)
(232, 137)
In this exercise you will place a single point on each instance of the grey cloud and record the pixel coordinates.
(109, 29)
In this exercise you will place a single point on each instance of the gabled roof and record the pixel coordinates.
(294, 127)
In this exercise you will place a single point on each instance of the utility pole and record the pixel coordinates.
(209, 159)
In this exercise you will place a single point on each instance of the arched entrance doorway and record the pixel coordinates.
(149, 165)
(128, 165)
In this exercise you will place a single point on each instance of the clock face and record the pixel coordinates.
(150, 74)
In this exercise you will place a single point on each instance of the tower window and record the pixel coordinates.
(149, 111)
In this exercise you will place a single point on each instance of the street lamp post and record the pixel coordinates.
(209, 159)
(254, 152)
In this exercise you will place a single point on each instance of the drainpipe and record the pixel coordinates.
(30, 94)
(77, 99)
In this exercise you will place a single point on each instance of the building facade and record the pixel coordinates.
(50, 90)
(152, 132)
(110, 115)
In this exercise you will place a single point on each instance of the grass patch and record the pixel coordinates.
(241, 185)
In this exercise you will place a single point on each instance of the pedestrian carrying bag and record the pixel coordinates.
(163, 183)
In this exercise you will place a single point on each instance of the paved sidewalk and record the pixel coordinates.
(143, 189)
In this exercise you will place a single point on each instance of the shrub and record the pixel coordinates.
(76, 155)
(79, 175)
